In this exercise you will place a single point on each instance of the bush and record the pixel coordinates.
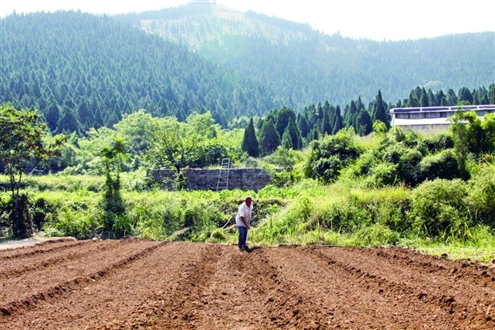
(330, 154)
(443, 165)
(482, 195)
(383, 174)
(438, 142)
(439, 209)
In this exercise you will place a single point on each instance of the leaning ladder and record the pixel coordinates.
(223, 175)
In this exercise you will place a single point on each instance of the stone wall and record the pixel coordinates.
(203, 179)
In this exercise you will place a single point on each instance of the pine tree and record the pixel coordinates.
(380, 111)
(326, 127)
(466, 95)
(491, 94)
(351, 115)
(338, 123)
(250, 142)
(423, 101)
(302, 124)
(269, 138)
(294, 134)
(284, 116)
(365, 125)
(286, 140)
(451, 98)
(412, 102)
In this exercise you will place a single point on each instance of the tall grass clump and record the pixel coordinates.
(350, 215)
(75, 214)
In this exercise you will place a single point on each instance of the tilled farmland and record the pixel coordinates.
(138, 284)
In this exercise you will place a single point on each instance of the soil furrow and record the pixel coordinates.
(45, 283)
(420, 290)
(246, 291)
(58, 291)
(140, 284)
(459, 296)
(42, 248)
(57, 257)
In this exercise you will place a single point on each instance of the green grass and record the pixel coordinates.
(346, 213)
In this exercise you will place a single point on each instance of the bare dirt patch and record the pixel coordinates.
(145, 284)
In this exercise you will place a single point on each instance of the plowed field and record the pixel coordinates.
(145, 284)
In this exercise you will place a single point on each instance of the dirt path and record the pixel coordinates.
(145, 284)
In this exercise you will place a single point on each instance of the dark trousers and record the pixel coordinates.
(242, 236)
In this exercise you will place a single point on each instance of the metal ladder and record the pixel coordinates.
(223, 175)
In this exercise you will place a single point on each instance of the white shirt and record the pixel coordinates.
(244, 211)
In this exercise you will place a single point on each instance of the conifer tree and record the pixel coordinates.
(380, 111)
(423, 101)
(491, 94)
(351, 115)
(338, 123)
(294, 134)
(412, 101)
(326, 127)
(284, 116)
(302, 125)
(269, 138)
(286, 140)
(365, 125)
(250, 142)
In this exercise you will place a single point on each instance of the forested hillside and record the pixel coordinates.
(84, 71)
(304, 66)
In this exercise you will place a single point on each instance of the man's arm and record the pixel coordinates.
(244, 222)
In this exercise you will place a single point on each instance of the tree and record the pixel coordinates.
(269, 138)
(250, 142)
(351, 116)
(174, 145)
(113, 157)
(24, 140)
(413, 101)
(302, 124)
(326, 127)
(365, 125)
(287, 141)
(466, 95)
(380, 110)
(423, 100)
(284, 116)
(338, 123)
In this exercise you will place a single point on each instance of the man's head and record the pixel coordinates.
(248, 200)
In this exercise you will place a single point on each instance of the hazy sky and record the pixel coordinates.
(372, 19)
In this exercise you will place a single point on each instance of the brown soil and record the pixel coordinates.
(145, 284)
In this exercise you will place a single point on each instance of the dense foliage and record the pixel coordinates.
(129, 102)
(304, 66)
(24, 141)
(84, 71)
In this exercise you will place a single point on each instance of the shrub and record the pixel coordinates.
(439, 209)
(330, 154)
(438, 142)
(443, 165)
(482, 195)
(383, 174)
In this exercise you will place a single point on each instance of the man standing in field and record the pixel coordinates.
(243, 221)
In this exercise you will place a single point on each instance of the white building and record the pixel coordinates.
(432, 118)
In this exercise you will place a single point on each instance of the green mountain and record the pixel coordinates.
(304, 66)
(86, 71)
